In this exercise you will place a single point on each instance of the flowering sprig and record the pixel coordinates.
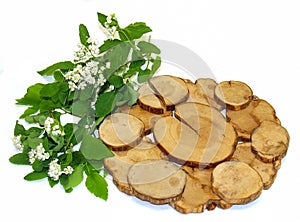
(99, 79)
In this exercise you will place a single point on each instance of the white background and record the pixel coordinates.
(255, 41)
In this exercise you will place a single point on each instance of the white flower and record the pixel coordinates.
(53, 130)
(113, 29)
(89, 40)
(125, 80)
(82, 54)
(94, 49)
(68, 75)
(76, 77)
(38, 153)
(54, 170)
(31, 156)
(72, 86)
(90, 80)
(56, 132)
(68, 170)
(46, 156)
(107, 65)
(55, 127)
(110, 88)
(108, 19)
(91, 68)
(102, 68)
(48, 122)
(82, 85)
(18, 143)
(101, 80)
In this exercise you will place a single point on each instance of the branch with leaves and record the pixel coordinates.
(101, 78)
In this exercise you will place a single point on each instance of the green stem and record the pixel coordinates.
(97, 122)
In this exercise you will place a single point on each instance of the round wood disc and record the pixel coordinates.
(121, 131)
(235, 94)
(157, 181)
(270, 141)
(236, 182)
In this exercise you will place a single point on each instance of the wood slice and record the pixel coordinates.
(236, 95)
(247, 119)
(146, 150)
(121, 131)
(184, 146)
(196, 94)
(216, 135)
(270, 141)
(200, 116)
(157, 181)
(267, 171)
(198, 195)
(149, 101)
(236, 182)
(172, 89)
(118, 167)
(146, 117)
(208, 86)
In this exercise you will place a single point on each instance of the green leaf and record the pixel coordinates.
(147, 47)
(50, 89)
(20, 159)
(58, 76)
(32, 97)
(134, 67)
(51, 182)
(34, 131)
(97, 164)
(144, 75)
(105, 104)
(83, 34)
(29, 111)
(109, 43)
(80, 107)
(87, 93)
(118, 57)
(102, 18)
(134, 31)
(97, 185)
(70, 133)
(47, 105)
(94, 149)
(60, 142)
(37, 165)
(39, 118)
(75, 178)
(35, 176)
(33, 141)
(63, 66)
(80, 133)
(117, 81)
(156, 64)
(134, 95)
(19, 129)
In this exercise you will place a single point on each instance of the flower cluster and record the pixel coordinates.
(18, 143)
(85, 53)
(51, 128)
(38, 153)
(81, 76)
(111, 27)
(55, 170)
